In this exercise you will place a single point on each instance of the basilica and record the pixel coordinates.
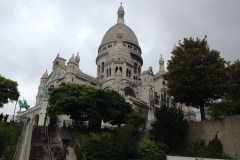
(119, 67)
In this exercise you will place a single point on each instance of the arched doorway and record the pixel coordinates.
(35, 119)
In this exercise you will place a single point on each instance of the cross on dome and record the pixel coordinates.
(120, 14)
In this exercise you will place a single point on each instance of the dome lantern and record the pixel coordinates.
(120, 14)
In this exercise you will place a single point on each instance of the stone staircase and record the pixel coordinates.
(71, 155)
(39, 145)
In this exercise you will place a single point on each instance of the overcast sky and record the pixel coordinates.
(32, 33)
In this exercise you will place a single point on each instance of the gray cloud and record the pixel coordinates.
(33, 32)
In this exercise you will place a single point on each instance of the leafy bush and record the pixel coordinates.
(124, 144)
(214, 149)
(97, 146)
(149, 150)
(116, 145)
(9, 135)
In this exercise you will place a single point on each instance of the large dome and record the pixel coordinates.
(120, 28)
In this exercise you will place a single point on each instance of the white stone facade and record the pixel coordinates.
(119, 64)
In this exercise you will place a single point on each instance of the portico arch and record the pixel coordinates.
(35, 119)
(129, 92)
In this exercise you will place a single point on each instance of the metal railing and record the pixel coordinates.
(19, 143)
(49, 143)
(84, 157)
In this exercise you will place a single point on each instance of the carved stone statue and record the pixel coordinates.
(23, 104)
(46, 91)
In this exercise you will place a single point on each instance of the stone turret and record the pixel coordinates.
(44, 78)
(161, 65)
(72, 64)
(40, 91)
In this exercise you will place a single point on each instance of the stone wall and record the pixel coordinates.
(227, 129)
(189, 158)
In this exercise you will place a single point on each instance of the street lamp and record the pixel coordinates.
(65, 142)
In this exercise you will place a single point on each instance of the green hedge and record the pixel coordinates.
(9, 135)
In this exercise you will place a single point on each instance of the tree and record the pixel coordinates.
(112, 106)
(170, 127)
(8, 91)
(230, 104)
(195, 74)
(84, 102)
(233, 87)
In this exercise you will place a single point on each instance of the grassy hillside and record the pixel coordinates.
(9, 135)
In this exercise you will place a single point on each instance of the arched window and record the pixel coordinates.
(127, 72)
(135, 68)
(130, 74)
(98, 69)
(167, 102)
(161, 100)
(102, 67)
(116, 69)
(129, 92)
(109, 71)
(164, 98)
(139, 70)
(151, 100)
(120, 68)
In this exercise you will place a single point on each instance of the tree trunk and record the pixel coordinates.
(202, 112)
(94, 124)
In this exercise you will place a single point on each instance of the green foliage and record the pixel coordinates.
(9, 135)
(233, 83)
(170, 127)
(84, 102)
(134, 121)
(149, 150)
(71, 99)
(8, 91)
(97, 146)
(230, 104)
(217, 110)
(214, 149)
(195, 74)
(124, 144)
(116, 145)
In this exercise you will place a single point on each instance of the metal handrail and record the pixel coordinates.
(80, 148)
(19, 142)
(49, 143)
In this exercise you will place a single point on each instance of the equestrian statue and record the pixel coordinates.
(23, 104)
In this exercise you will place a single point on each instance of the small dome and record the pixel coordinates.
(45, 75)
(77, 58)
(119, 51)
(161, 60)
(72, 59)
